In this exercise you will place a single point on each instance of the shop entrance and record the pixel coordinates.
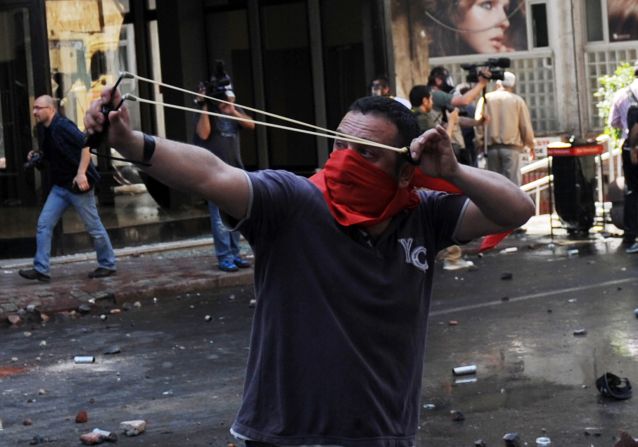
(17, 183)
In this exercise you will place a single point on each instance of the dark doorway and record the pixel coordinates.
(17, 184)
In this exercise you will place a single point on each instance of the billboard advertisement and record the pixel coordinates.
(475, 26)
(623, 20)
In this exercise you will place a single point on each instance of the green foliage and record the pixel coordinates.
(609, 86)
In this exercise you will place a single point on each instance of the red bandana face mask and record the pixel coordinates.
(359, 193)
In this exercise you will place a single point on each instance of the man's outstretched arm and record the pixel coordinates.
(179, 165)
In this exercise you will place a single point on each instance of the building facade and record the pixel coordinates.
(303, 59)
(558, 50)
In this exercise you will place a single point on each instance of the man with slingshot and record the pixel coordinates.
(344, 263)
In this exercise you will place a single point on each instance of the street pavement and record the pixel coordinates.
(142, 272)
(541, 319)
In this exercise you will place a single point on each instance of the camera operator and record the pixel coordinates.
(221, 137)
(73, 176)
(442, 87)
(509, 130)
(446, 104)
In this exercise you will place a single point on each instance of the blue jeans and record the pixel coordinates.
(226, 242)
(57, 202)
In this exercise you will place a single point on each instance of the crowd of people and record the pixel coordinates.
(495, 125)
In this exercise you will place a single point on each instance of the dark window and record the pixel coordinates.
(539, 25)
(288, 83)
(594, 15)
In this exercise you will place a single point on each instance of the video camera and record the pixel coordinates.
(219, 85)
(34, 162)
(496, 67)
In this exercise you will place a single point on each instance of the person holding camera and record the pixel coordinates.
(442, 87)
(448, 104)
(221, 137)
(509, 130)
(73, 177)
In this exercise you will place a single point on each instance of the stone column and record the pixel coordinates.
(409, 44)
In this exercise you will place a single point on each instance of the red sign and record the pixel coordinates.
(578, 151)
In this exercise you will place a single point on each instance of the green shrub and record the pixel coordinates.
(609, 86)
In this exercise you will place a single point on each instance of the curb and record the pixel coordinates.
(51, 302)
(119, 253)
(143, 273)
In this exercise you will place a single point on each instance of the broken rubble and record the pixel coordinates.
(465, 380)
(512, 439)
(112, 350)
(463, 370)
(37, 439)
(458, 264)
(593, 431)
(543, 441)
(84, 359)
(81, 417)
(98, 436)
(133, 428)
(84, 308)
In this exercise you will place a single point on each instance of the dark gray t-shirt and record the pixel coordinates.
(339, 329)
(223, 140)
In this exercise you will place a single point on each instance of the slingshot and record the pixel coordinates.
(94, 140)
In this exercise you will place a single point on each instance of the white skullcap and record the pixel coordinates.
(509, 79)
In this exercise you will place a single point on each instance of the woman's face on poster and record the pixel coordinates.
(485, 23)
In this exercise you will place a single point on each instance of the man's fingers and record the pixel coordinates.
(108, 95)
(428, 139)
(115, 116)
(90, 123)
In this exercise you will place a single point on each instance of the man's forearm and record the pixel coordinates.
(194, 169)
(85, 159)
(246, 122)
(203, 127)
(500, 200)
(466, 121)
